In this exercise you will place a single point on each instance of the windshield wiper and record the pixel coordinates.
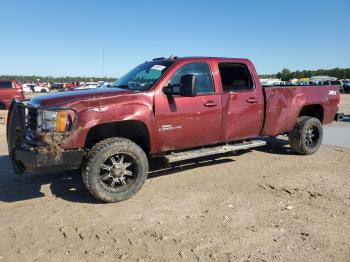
(122, 86)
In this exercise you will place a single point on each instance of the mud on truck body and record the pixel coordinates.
(177, 108)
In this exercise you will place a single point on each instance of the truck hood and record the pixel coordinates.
(70, 97)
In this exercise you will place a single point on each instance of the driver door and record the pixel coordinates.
(185, 122)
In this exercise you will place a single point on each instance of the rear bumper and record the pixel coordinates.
(339, 117)
(31, 161)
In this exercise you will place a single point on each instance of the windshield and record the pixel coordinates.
(144, 76)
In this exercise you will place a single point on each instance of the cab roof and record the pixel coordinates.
(177, 59)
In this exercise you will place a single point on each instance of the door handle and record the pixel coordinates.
(252, 100)
(210, 104)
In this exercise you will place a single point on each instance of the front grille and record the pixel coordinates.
(32, 119)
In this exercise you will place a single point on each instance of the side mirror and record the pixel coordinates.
(187, 87)
(168, 90)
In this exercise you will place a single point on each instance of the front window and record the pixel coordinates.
(144, 76)
(203, 83)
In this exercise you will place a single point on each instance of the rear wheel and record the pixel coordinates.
(306, 137)
(115, 170)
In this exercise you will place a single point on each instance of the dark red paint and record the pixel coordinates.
(7, 94)
(200, 120)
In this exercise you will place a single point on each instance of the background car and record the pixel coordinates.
(87, 85)
(72, 85)
(346, 87)
(10, 89)
(338, 83)
(58, 86)
(27, 89)
(36, 88)
(105, 85)
(325, 83)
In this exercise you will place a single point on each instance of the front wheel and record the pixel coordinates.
(116, 169)
(306, 136)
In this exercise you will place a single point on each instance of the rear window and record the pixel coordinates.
(5, 84)
(235, 77)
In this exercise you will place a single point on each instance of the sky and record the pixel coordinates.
(67, 37)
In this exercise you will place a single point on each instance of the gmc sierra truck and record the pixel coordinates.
(176, 108)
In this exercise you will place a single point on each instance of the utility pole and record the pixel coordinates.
(103, 61)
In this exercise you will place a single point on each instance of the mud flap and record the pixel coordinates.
(15, 123)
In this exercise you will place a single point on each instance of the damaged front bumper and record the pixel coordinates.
(30, 161)
(32, 156)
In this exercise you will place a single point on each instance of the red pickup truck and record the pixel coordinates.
(177, 108)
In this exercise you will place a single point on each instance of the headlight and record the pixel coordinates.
(58, 121)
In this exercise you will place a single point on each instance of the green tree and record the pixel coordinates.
(286, 74)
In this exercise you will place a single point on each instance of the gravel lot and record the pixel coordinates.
(263, 205)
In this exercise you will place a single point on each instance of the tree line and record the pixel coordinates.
(63, 79)
(286, 74)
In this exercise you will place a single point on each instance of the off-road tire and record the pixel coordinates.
(98, 154)
(297, 137)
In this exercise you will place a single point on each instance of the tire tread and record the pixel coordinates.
(96, 150)
(295, 136)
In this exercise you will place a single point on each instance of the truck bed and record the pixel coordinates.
(283, 105)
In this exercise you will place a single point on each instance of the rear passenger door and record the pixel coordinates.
(184, 122)
(243, 102)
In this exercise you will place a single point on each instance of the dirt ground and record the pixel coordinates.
(267, 204)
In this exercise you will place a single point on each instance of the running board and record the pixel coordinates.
(196, 153)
